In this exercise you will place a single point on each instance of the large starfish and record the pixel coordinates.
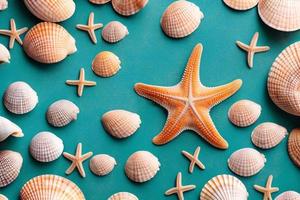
(188, 103)
(268, 190)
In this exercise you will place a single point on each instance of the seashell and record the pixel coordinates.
(114, 31)
(128, 7)
(294, 146)
(99, 1)
(8, 128)
(244, 113)
(4, 53)
(3, 4)
(51, 10)
(10, 166)
(102, 164)
(267, 135)
(46, 147)
(61, 113)
(224, 187)
(241, 4)
(141, 166)
(48, 43)
(181, 18)
(20, 98)
(288, 195)
(2, 197)
(123, 196)
(106, 64)
(46, 187)
(121, 123)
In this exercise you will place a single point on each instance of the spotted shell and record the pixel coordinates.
(106, 64)
(294, 146)
(123, 196)
(102, 164)
(99, 1)
(288, 195)
(20, 98)
(2, 197)
(4, 53)
(114, 31)
(48, 43)
(241, 4)
(3, 4)
(46, 187)
(181, 18)
(128, 7)
(10, 166)
(8, 128)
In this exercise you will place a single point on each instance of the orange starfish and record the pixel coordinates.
(188, 103)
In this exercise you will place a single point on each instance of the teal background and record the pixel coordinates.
(148, 56)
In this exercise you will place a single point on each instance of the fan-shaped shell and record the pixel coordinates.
(20, 98)
(46, 187)
(48, 42)
(4, 53)
(181, 18)
(294, 146)
(3, 4)
(128, 7)
(123, 196)
(288, 195)
(102, 164)
(241, 4)
(114, 31)
(99, 1)
(106, 64)
(8, 128)
(2, 197)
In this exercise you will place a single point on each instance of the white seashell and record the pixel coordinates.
(288, 195)
(106, 64)
(2, 197)
(123, 196)
(241, 4)
(294, 146)
(4, 53)
(99, 1)
(128, 7)
(102, 164)
(20, 98)
(114, 31)
(8, 128)
(3, 4)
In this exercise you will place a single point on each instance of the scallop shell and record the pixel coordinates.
(102, 164)
(2, 197)
(121, 123)
(46, 147)
(141, 166)
(267, 135)
(61, 113)
(181, 18)
(288, 195)
(114, 31)
(99, 1)
(46, 187)
(128, 7)
(48, 43)
(294, 146)
(51, 10)
(8, 128)
(106, 64)
(224, 187)
(10, 166)
(244, 113)
(3, 4)
(20, 98)
(246, 162)
(123, 196)
(241, 4)
(4, 53)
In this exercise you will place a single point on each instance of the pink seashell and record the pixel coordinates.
(102, 164)
(294, 146)
(123, 196)
(241, 4)
(114, 32)
(4, 54)
(8, 128)
(3, 4)
(288, 195)
(99, 1)
(2, 197)
(128, 7)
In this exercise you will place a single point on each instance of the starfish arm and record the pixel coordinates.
(79, 149)
(93, 36)
(91, 18)
(187, 188)
(261, 49)
(68, 156)
(71, 168)
(250, 58)
(22, 30)
(72, 82)
(81, 169)
(260, 188)
(12, 41)
(82, 27)
(274, 189)
(80, 90)
(171, 191)
(86, 156)
(254, 39)
(89, 83)
(242, 46)
(97, 26)
(5, 32)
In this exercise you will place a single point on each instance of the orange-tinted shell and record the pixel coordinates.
(123, 196)
(106, 64)
(3, 4)
(99, 1)
(288, 195)
(128, 7)
(294, 146)
(114, 32)
(241, 4)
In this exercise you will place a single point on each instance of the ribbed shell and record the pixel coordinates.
(288, 195)
(2, 197)
(48, 42)
(106, 64)
(246, 162)
(294, 146)
(241, 4)
(8, 128)
(121, 123)
(3, 4)
(114, 31)
(50, 187)
(224, 187)
(10, 166)
(128, 7)
(181, 18)
(102, 164)
(99, 1)
(20, 98)
(123, 196)
(4, 53)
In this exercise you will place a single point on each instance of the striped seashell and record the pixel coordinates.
(61, 113)
(224, 187)
(4, 54)
(20, 98)
(8, 128)
(48, 43)
(102, 164)
(46, 187)
(123, 196)
(244, 113)
(128, 7)
(288, 195)
(46, 147)
(99, 1)
(51, 10)
(294, 146)
(241, 4)
(267, 135)
(106, 64)
(2, 197)
(121, 123)
(10, 166)
(114, 31)
(3, 4)
(180, 19)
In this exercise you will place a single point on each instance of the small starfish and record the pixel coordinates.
(81, 82)
(194, 159)
(179, 189)
(90, 28)
(14, 33)
(77, 160)
(268, 190)
(252, 48)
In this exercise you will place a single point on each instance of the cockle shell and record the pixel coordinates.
(224, 187)
(102, 164)
(121, 123)
(288, 195)
(99, 1)
(20, 98)
(123, 196)
(181, 18)
(8, 128)
(2, 197)
(128, 7)
(4, 53)
(246, 162)
(106, 64)
(241, 4)
(46, 187)
(48, 43)
(10, 166)
(3, 4)
(294, 146)
(114, 31)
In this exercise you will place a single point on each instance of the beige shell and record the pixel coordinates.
(102, 164)
(48, 42)
(20, 98)
(267, 135)
(51, 10)
(241, 4)
(128, 7)
(46, 147)
(106, 64)
(181, 18)
(114, 31)
(4, 54)
(46, 187)
(2, 197)
(294, 146)
(288, 195)
(10, 166)
(99, 1)
(224, 187)
(61, 113)
(244, 113)
(8, 128)
(123, 196)
(121, 123)
(246, 162)
(3, 4)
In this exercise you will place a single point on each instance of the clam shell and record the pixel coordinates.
(224, 187)
(121, 123)
(128, 7)
(123, 196)
(106, 64)
(294, 146)
(99, 1)
(2, 197)
(244, 113)
(102, 164)
(180, 19)
(20, 98)
(10, 166)
(48, 42)
(114, 31)
(141, 166)
(241, 4)
(288, 195)
(4, 53)
(246, 162)
(8, 128)
(46, 147)
(3, 4)
(46, 187)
